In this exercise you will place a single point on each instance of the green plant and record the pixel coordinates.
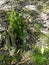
(38, 58)
(16, 22)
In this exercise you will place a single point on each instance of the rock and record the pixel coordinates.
(30, 7)
(2, 2)
(0, 36)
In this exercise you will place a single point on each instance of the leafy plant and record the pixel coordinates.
(16, 22)
(38, 58)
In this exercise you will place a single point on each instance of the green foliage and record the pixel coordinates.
(37, 27)
(38, 58)
(40, 7)
(16, 22)
(5, 59)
